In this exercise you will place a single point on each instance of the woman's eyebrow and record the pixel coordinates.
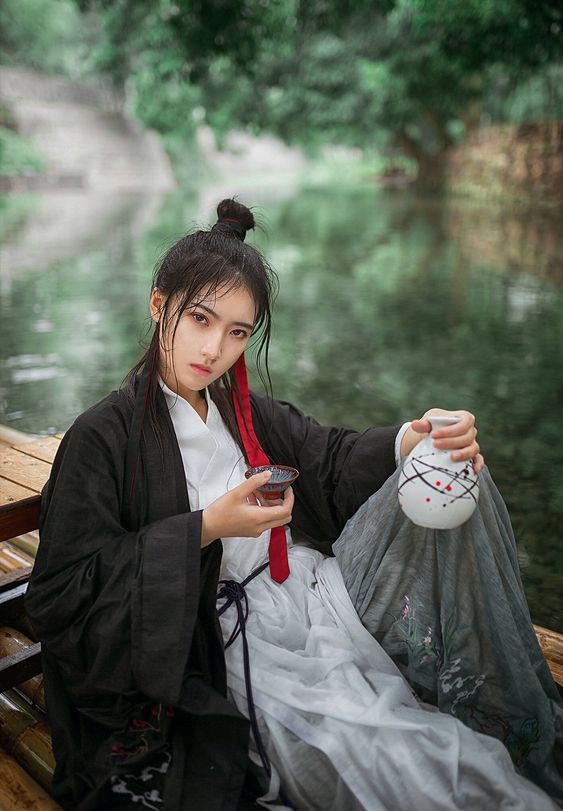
(214, 314)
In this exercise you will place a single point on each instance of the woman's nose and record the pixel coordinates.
(212, 348)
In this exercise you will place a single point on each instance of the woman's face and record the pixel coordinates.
(210, 336)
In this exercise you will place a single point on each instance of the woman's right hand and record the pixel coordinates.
(239, 514)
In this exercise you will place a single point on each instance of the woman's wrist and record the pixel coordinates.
(208, 529)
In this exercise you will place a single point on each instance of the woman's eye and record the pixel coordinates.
(240, 333)
(201, 319)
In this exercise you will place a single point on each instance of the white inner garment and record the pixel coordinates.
(342, 727)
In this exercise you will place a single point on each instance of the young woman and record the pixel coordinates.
(148, 517)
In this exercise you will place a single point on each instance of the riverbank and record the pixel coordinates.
(82, 140)
(520, 165)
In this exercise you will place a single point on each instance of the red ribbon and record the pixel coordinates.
(279, 564)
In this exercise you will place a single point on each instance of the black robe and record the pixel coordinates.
(123, 599)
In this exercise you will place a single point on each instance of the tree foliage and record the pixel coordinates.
(40, 33)
(413, 74)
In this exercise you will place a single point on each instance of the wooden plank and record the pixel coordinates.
(19, 667)
(12, 579)
(12, 609)
(22, 469)
(44, 449)
(10, 492)
(11, 436)
(12, 558)
(19, 517)
(28, 543)
(13, 595)
(551, 644)
(17, 554)
(18, 791)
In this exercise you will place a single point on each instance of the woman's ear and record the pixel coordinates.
(156, 304)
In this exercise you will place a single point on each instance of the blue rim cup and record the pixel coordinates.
(282, 477)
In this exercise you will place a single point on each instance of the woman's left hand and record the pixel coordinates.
(460, 438)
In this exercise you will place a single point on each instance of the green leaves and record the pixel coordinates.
(417, 74)
(18, 156)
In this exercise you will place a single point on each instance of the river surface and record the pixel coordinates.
(388, 305)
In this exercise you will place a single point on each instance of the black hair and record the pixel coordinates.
(210, 260)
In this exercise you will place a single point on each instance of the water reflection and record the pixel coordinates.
(45, 229)
(388, 305)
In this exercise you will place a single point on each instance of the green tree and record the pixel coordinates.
(413, 77)
(410, 75)
(49, 35)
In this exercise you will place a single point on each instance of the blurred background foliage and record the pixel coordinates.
(411, 77)
(406, 301)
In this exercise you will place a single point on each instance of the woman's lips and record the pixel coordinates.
(200, 370)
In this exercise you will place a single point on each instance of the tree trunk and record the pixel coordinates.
(431, 175)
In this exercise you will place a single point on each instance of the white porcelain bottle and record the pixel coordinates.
(434, 491)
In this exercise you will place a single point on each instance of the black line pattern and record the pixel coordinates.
(424, 470)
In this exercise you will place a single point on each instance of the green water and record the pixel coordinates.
(388, 305)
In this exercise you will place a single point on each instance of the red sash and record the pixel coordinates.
(279, 565)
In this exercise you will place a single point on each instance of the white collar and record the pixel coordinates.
(173, 398)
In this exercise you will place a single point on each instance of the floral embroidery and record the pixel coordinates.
(424, 651)
(145, 739)
(466, 686)
(455, 684)
(519, 743)
(137, 786)
(420, 644)
(136, 738)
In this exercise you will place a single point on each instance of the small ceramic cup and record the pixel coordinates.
(281, 478)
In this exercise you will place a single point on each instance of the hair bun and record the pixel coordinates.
(234, 218)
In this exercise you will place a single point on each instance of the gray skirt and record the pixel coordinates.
(449, 608)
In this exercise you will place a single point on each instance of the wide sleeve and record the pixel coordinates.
(339, 467)
(117, 608)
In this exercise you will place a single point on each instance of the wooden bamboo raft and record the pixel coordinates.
(24, 468)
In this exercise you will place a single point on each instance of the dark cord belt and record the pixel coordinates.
(234, 592)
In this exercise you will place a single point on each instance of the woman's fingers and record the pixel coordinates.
(466, 453)
(251, 484)
(289, 498)
(279, 515)
(421, 426)
(465, 424)
(270, 514)
(459, 437)
(456, 442)
(275, 502)
(242, 512)
(284, 510)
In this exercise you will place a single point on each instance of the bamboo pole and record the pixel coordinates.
(26, 737)
(27, 543)
(551, 644)
(12, 558)
(18, 554)
(18, 791)
(13, 641)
